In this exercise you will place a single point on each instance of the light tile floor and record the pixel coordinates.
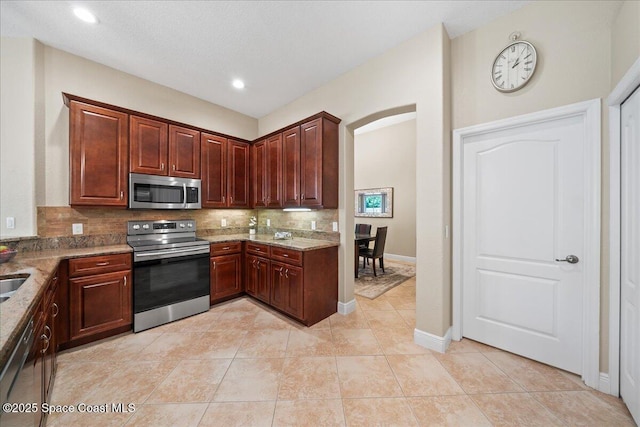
(243, 364)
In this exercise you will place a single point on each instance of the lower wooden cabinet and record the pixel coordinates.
(287, 289)
(99, 303)
(257, 281)
(226, 277)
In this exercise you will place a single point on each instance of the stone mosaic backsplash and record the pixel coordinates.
(107, 226)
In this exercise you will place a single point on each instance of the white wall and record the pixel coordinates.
(625, 40)
(18, 62)
(403, 78)
(385, 158)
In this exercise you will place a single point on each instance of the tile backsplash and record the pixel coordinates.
(107, 226)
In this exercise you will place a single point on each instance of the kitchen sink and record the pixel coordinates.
(9, 285)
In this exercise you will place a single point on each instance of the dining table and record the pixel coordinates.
(361, 239)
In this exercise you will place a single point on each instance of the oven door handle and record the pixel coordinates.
(202, 250)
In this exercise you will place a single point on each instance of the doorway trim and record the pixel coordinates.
(590, 111)
(625, 87)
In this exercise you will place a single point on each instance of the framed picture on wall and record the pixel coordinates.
(374, 202)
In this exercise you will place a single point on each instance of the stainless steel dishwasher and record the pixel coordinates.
(18, 394)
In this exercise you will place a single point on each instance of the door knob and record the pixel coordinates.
(571, 259)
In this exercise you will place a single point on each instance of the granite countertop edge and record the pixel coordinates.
(297, 243)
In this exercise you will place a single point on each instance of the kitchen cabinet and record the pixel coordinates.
(98, 156)
(44, 349)
(257, 264)
(291, 167)
(287, 289)
(159, 148)
(298, 167)
(149, 146)
(225, 172)
(184, 152)
(259, 174)
(100, 296)
(268, 172)
(301, 284)
(226, 271)
(319, 163)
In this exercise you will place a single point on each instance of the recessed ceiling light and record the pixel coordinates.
(238, 84)
(85, 15)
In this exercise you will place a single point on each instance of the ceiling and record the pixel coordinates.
(281, 49)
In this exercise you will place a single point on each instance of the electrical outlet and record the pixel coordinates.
(11, 222)
(77, 229)
(313, 225)
(268, 222)
(335, 226)
(223, 222)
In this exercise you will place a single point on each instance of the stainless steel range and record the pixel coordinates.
(170, 272)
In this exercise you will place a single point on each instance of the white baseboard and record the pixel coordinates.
(403, 258)
(604, 384)
(347, 307)
(432, 342)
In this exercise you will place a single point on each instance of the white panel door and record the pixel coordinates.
(630, 254)
(523, 196)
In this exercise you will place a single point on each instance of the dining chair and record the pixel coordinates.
(363, 229)
(377, 252)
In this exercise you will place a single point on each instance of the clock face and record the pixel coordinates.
(514, 66)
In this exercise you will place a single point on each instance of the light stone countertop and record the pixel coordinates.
(40, 266)
(297, 243)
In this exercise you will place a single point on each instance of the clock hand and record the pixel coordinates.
(516, 63)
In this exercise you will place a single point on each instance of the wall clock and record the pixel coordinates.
(514, 66)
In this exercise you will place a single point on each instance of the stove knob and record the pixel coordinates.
(136, 227)
(145, 226)
(190, 225)
(182, 225)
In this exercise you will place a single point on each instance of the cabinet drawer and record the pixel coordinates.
(225, 248)
(99, 264)
(289, 256)
(257, 249)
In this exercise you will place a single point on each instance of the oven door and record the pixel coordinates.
(170, 280)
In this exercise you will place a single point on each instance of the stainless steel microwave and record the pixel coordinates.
(163, 192)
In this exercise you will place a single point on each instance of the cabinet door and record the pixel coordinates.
(251, 281)
(263, 288)
(99, 156)
(214, 171)
(226, 276)
(238, 174)
(149, 146)
(291, 167)
(184, 152)
(100, 303)
(274, 171)
(311, 163)
(259, 174)
(287, 288)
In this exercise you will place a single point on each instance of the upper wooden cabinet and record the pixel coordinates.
(225, 172)
(149, 146)
(184, 152)
(267, 172)
(98, 156)
(298, 167)
(319, 163)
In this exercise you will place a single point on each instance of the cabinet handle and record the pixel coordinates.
(253, 262)
(286, 273)
(280, 271)
(302, 197)
(214, 265)
(121, 195)
(226, 248)
(47, 328)
(285, 255)
(174, 167)
(57, 310)
(102, 264)
(44, 337)
(230, 199)
(125, 281)
(161, 166)
(223, 199)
